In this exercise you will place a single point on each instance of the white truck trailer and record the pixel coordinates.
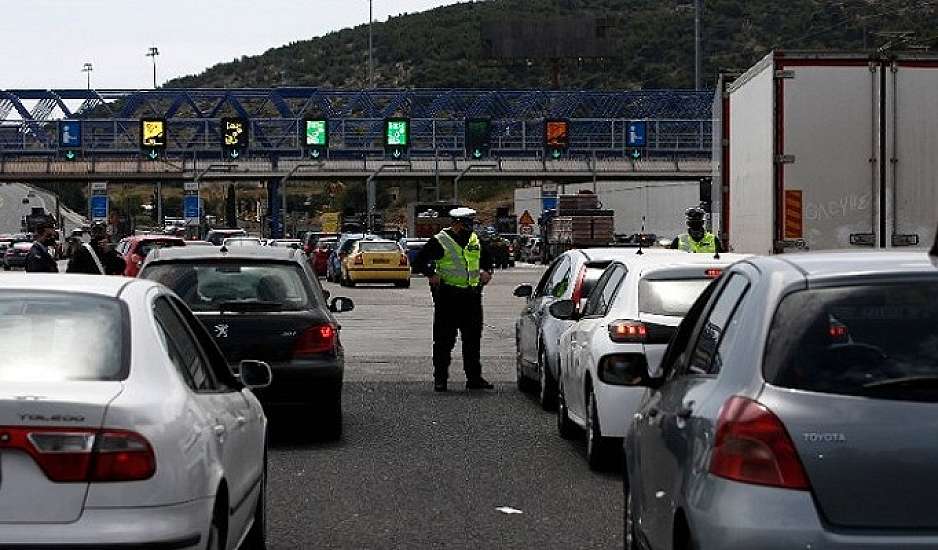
(831, 151)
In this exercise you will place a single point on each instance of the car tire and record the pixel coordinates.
(216, 532)
(565, 427)
(547, 386)
(523, 383)
(597, 446)
(629, 538)
(257, 537)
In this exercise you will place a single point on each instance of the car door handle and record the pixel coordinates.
(220, 431)
(685, 412)
(241, 420)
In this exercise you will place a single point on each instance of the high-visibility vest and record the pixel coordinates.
(706, 245)
(459, 267)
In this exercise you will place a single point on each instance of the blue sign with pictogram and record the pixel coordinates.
(191, 207)
(99, 206)
(637, 134)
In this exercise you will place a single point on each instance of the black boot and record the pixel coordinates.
(479, 384)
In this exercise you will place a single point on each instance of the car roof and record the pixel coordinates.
(826, 265)
(186, 253)
(60, 282)
(378, 241)
(153, 237)
(646, 263)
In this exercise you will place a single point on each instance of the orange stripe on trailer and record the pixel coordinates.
(794, 215)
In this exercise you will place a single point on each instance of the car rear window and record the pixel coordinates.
(367, 246)
(874, 341)
(60, 337)
(673, 298)
(146, 246)
(233, 286)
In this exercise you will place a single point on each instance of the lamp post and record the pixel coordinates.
(152, 53)
(698, 69)
(87, 68)
(371, 43)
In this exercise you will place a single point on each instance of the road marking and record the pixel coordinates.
(508, 510)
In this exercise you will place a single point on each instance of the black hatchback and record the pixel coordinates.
(265, 304)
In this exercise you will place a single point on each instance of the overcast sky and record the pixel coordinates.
(44, 43)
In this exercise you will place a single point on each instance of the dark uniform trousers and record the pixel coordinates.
(457, 310)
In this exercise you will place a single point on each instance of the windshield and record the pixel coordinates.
(367, 246)
(224, 286)
(242, 242)
(146, 246)
(60, 337)
(671, 298)
(858, 340)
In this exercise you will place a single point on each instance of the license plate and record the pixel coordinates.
(381, 261)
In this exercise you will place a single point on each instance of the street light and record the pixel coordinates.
(87, 68)
(153, 52)
(697, 6)
(371, 42)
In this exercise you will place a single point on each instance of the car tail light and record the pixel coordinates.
(713, 273)
(577, 295)
(71, 456)
(359, 260)
(315, 340)
(839, 332)
(403, 260)
(627, 331)
(753, 446)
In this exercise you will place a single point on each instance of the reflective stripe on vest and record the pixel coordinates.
(706, 245)
(459, 266)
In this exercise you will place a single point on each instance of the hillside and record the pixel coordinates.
(441, 47)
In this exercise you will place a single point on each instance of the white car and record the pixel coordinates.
(121, 425)
(623, 330)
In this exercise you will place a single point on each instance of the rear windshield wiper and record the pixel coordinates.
(249, 306)
(908, 382)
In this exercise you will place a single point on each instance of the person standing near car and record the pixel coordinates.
(697, 239)
(40, 260)
(457, 267)
(97, 257)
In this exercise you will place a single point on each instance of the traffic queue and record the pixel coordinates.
(751, 402)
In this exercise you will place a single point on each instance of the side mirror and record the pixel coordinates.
(341, 305)
(564, 310)
(524, 291)
(326, 294)
(255, 374)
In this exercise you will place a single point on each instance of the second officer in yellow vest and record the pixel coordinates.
(457, 266)
(697, 240)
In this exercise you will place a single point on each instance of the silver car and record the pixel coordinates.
(121, 425)
(797, 410)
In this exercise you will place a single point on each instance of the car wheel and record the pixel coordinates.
(523, 383)
(597, 446)
(631, 541)
(257, 536)
(547, 388)
(565, 426)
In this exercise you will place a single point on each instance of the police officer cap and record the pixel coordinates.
(464, 214)
(694, 214)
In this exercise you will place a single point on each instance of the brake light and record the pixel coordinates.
(753, 446)
(403, 260)
(839, 333)
(71, 456)
(315, 340)
(627, 331)
(713, 273)
(577, 295)
(359, 260)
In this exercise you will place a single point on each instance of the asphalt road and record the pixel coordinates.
(12, 208)
(417, 469)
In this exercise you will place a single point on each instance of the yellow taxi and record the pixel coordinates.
(376, 261)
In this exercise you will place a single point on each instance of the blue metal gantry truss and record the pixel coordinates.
(679, 122)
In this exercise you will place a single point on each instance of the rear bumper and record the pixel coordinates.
(617, 405)
(378, 275)
(735, 515)
(303, 382)
(178, 527)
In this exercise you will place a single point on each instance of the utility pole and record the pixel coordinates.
(87, 68)
(698, 69)
(152, 53)
(371, 44)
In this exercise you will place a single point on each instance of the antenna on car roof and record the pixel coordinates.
(640, 237)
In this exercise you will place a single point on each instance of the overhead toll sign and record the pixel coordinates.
(316, 137)
(556, 137)
(478, 137)
(234, 136)
(637, 135)
(70, 138)
(397, 137)
(152, 137)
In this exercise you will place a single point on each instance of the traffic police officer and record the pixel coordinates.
(697, 239)
(40, 260)
(457, 266)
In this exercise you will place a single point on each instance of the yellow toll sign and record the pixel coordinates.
(153, 134)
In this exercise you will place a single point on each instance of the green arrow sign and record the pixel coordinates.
(153, 155)
(70, 155)
(555, 153)
(314, 153)
(396, 154)
(636, 154)
(477, 154)
(234, 154)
